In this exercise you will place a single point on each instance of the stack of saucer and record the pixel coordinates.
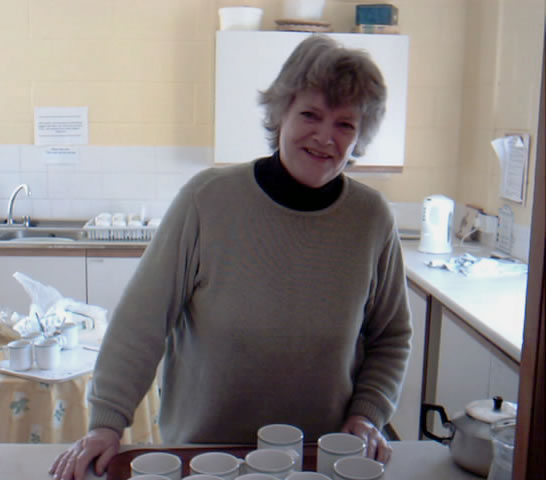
(299, 25)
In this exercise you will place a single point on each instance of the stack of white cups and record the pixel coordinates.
(279, 456)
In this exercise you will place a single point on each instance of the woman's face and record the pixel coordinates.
(315, 141)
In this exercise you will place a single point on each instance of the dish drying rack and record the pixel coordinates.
(122, 233)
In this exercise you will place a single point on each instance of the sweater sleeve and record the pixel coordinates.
(149, 308)
(386, 334)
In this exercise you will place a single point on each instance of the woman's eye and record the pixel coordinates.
(348, 126)
(308, 114)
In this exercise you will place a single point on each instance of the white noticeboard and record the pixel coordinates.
(248, 61)
(61, 126)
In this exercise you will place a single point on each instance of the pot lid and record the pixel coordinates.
(491, 410)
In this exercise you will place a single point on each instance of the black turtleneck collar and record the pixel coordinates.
(276, 182)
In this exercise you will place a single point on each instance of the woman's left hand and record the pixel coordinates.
(377, 445)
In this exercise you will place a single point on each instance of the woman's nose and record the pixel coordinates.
(324, 134)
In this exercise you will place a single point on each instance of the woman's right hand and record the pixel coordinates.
(101, 443)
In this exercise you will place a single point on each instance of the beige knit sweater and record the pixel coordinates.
(265, 314)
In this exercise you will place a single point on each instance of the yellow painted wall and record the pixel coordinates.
(145, 69)
(501, 91)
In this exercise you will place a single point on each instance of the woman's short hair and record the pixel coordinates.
(343, 75)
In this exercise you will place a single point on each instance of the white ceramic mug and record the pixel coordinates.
(201, 476)
(48, 353)
(19, 353)
(256, 476)
(219, 464)
(157, 463)
(357, 468)
(150, 476)
(279, 463)
(307, 476)
(333, 446)
(70, 333)
(282, 437)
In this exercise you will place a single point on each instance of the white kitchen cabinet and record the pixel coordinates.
(463, 367)
(470, 368)
(64, 273)
(503, 378)
(406, 418)
(247, 62)
(107, 277)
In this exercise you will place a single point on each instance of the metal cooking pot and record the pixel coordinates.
(470, 440)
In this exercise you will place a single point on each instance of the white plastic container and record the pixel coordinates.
(240, 18)
(303, 9)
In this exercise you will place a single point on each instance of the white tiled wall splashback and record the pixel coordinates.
(105, 178)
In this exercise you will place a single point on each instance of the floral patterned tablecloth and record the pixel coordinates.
(38, 412)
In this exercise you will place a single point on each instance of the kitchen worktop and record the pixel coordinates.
(424, 460)
(493, 306)
(55, 244)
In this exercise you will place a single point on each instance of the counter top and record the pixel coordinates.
(425, 460)
(55, 244)
(495, 307)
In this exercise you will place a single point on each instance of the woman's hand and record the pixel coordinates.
(101, 443)
(377, 445)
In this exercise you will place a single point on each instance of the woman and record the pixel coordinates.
(275, 288)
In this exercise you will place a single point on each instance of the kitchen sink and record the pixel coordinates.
(43, 231)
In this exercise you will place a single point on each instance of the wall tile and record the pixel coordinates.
(82, 60)
(16, 54)
(40, 209)
(15, 102)
(127, 160)
(32, 159)
(129, 186)
(8, 182)
(14, 18)
(69, 19)
(37, 182)
(17, 133)
(168, 19)
(9, 158)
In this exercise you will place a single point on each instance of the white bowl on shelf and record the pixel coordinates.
(240, 18)
(303, 9)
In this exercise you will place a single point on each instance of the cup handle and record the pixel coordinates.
(294, 454)
(241, 465)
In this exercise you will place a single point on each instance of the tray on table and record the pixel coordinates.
(120, 466)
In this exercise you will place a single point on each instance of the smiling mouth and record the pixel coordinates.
(316, 153)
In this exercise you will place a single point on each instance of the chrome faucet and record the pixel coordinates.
(24, 187)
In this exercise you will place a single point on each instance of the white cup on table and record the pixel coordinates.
(357, 468)
(333, 446)
(70, 333)
(19, 354)
(201, 476)
(307, 476)
(149, 476)
(157, 463)
(282, 437)
(48, 353)
(256, 476)
(279, 463)
(219, 464)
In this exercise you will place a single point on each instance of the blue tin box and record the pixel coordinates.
(376, 14)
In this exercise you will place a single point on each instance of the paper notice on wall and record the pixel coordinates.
(63, 155)
(513, 154)
(61, 126)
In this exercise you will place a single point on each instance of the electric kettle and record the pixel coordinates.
(436, 222)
